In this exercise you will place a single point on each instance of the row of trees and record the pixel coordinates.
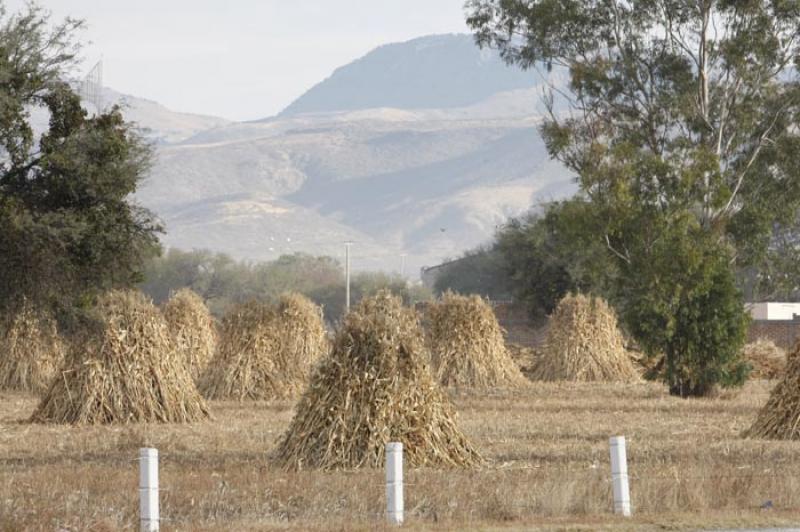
(224, 282)
(681, 131)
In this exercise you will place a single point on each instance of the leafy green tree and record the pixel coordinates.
(67, 225)
(679, 109)
(684, 307)
(551, 254)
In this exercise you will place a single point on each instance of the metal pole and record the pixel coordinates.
(347, 275)
(403, 264)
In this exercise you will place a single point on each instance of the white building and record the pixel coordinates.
(773, 311)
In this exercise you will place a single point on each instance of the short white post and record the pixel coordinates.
(619, 476)
(148, 490)
(394, 483)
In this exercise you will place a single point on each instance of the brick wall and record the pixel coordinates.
(783, 332)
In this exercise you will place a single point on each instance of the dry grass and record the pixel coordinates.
(30, 350)
(192, 327)
(768, 361)
(584, 344)
(467, 346)
(374, 388)
(123, 368)
(547, 447)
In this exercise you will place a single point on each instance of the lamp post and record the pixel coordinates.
(347, 275)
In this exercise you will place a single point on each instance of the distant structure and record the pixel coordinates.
(91, 87)
(774, 311)
(430, 274)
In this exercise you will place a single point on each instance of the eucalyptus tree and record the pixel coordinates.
(681, 129)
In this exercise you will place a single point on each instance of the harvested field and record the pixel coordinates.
(547, 447)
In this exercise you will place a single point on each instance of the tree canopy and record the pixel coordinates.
(681, 127)
(67, 224)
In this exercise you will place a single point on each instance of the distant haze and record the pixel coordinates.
(244, 59)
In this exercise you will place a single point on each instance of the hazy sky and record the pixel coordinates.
(241, 59)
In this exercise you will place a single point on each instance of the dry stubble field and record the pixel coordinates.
(547, 448)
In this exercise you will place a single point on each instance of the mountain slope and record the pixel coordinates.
(426, 178)
(442, 71)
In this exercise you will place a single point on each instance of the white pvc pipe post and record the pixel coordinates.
(148, 490)
(619, 476)
(394, 483)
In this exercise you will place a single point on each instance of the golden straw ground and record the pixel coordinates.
(467, 345)
(374, 388)
(584, 344)
(123, 368)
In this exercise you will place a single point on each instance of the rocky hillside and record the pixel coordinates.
(428, 168)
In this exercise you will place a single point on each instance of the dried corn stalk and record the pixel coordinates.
(124, 368)
(30, 350)
(467, 345)
(768, 361)
(374, 388)
(779, 419)
(266, 353)
(584, 344)
(192, 328)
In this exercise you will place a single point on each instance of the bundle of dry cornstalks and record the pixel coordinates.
(467, 345)
(584, 344)
(266, 353)
(124, 368)
(779, 419)
(192, 328)
(768, 361)
(375, 387)
(30, 350)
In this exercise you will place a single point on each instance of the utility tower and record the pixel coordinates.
(91, 87)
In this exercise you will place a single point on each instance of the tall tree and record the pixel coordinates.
(682, 122)
(67, 224)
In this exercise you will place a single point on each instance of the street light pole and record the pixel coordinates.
(347, 275)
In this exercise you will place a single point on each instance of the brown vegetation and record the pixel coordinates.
(467, 346)
(192, 328)
(768, 361)
(584, 344)
(780, 417)
(374, 388)
(30, 350)
(265, 352)
(123, 368)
